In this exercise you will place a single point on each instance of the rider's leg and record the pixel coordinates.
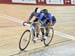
(42, 31)
(35, 26)
(47, 31)
(36, 30)
(48, 28)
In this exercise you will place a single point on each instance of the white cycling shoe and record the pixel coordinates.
(35, 39)
(45, 37)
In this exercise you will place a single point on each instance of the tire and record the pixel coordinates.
(50, 37)
(24, 40)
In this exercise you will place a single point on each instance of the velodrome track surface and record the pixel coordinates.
(11, 18)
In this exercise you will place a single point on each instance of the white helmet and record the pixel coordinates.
(37, 10)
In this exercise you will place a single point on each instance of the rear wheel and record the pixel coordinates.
(50, 37)
(24, 40)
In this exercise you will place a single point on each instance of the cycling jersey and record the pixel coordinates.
(40, 16)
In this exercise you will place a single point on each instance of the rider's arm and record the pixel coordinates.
(31, 16)
(50, 17)
(40, 16)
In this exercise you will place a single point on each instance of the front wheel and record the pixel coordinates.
(50, 37)
(24, 40)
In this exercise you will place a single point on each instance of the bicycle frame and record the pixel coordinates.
(30, 25)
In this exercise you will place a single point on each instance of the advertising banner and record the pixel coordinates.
(23, 1)
(54, 1)
(72, 1)
(41, 1)
(67, 2)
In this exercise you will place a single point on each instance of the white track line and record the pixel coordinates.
(71, 22)
(64, 35)
(21, 22)
(12, 18)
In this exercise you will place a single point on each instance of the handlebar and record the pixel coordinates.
(27, 23)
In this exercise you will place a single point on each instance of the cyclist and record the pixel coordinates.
(35, 13)
(48, 20)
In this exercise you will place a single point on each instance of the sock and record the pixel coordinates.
(42, 33)
(37, 35)
(33, 34)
